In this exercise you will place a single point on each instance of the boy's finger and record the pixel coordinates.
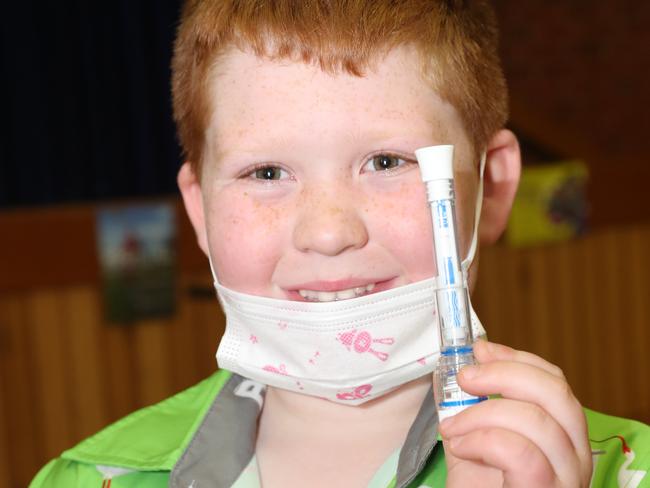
(525, 419)
(521, 461)
(528, 383)
(486, 352)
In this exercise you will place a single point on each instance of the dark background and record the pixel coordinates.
(86, 112)
(84, 95)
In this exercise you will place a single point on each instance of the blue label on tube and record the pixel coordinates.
(443, 221)
(451, 276)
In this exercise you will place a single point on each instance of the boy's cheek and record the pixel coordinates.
(402, 224)
(406, 221)
(248, 237)
(245, 240)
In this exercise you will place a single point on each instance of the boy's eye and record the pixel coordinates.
(384, 162)
(269, 173)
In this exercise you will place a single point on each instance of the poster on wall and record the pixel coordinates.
(137, 261)
(551, 204)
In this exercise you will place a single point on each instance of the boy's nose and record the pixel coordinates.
(329, 224)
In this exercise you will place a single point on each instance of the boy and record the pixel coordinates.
(299, 121)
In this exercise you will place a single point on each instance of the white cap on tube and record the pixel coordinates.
(436, 162)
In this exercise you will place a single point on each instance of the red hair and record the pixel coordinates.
(455, 39)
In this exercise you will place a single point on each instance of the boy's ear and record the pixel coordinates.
(190, 187)
(501, 178)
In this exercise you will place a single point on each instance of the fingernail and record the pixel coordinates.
(469, 372)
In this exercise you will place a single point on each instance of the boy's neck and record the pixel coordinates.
(290, 415)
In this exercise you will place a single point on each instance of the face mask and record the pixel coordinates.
(348, 351)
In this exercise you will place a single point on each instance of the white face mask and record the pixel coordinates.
(348, 351)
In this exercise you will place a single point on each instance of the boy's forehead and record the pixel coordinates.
(255, 100)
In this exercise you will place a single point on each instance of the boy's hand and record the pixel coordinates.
(535, 436)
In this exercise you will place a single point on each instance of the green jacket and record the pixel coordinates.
(204, 437)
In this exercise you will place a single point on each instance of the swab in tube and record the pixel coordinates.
(452, 292)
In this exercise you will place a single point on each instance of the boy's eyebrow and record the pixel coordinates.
(437, 132)
(371, 137)
(404, 144)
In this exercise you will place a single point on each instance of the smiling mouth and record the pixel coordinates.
(331, 296)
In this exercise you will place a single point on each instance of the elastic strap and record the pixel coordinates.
(467, 262)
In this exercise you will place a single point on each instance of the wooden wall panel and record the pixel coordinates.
(86, 362)
(4, 443)
(116, 352)
(589, 386)
(196, 330)
(70, 257)
(182, 355)
(637, 255)
(7, 347)
(49, 339)
(21, 423)
(151, 359)
(68, 232)
(584, 305)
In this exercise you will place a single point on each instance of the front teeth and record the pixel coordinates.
(330, 296)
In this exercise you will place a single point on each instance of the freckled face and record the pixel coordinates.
(309, 179)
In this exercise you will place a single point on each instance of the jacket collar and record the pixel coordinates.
(230, 428)
(218, 415)
(154, 438)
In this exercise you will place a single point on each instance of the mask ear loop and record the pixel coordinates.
(214, 275)
(467, 262)
(478, 330)
(215, 281)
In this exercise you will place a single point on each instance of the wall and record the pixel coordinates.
(582, 305)
(577, 77)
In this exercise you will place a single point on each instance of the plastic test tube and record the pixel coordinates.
(452, 292)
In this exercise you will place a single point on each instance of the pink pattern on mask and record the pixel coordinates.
(282, 325)
(281, 369)
(253, 339)
(422, 361)
(312, 360)
(362, 341)
(358, 393)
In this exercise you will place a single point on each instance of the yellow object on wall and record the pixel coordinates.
(550, 205)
